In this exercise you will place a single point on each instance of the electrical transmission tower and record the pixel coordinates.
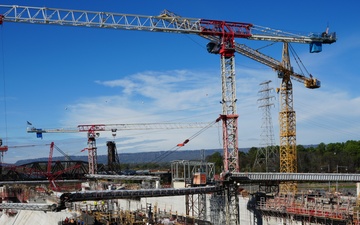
(266, 158)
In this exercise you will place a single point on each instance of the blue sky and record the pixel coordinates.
(58, 77)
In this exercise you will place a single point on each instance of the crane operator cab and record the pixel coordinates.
(213, 47)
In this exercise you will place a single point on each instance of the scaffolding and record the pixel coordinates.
(184, 170)
(308, 209)
(217, 206)
(196, 206)
(193, 173)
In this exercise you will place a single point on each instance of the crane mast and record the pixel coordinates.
(226, 32)
(229, 117)
(287, 120)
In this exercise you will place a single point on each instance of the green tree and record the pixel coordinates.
(352, 148)
(303, 159)
(321, 148)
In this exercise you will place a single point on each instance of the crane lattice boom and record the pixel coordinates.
(166, 22)
(121, 126)
(242, 49)
(170, 22)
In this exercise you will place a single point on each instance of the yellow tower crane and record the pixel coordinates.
(287, 123)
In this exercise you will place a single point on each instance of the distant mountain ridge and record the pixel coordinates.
(140, 157)
(147, 157)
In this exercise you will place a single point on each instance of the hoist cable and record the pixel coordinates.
(298, 61)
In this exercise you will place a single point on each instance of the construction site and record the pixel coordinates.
(189, 192)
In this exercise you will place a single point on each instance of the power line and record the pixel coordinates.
(266, 154)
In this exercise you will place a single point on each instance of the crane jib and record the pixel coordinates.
(166, 22)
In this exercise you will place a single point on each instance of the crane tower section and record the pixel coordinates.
(287, 120)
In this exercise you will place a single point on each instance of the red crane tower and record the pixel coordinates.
(3, 149)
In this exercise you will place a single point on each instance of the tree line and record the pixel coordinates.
(338, 157)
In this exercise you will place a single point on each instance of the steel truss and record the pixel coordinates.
(229, 116)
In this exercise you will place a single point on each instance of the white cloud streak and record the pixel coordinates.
(193, 96)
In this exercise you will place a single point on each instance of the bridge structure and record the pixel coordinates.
(64, 170)
(299, 177)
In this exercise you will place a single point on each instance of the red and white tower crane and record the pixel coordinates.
(94, 129)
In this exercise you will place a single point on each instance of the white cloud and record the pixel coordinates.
(171, 96)
(193, 96)
(326, 116)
